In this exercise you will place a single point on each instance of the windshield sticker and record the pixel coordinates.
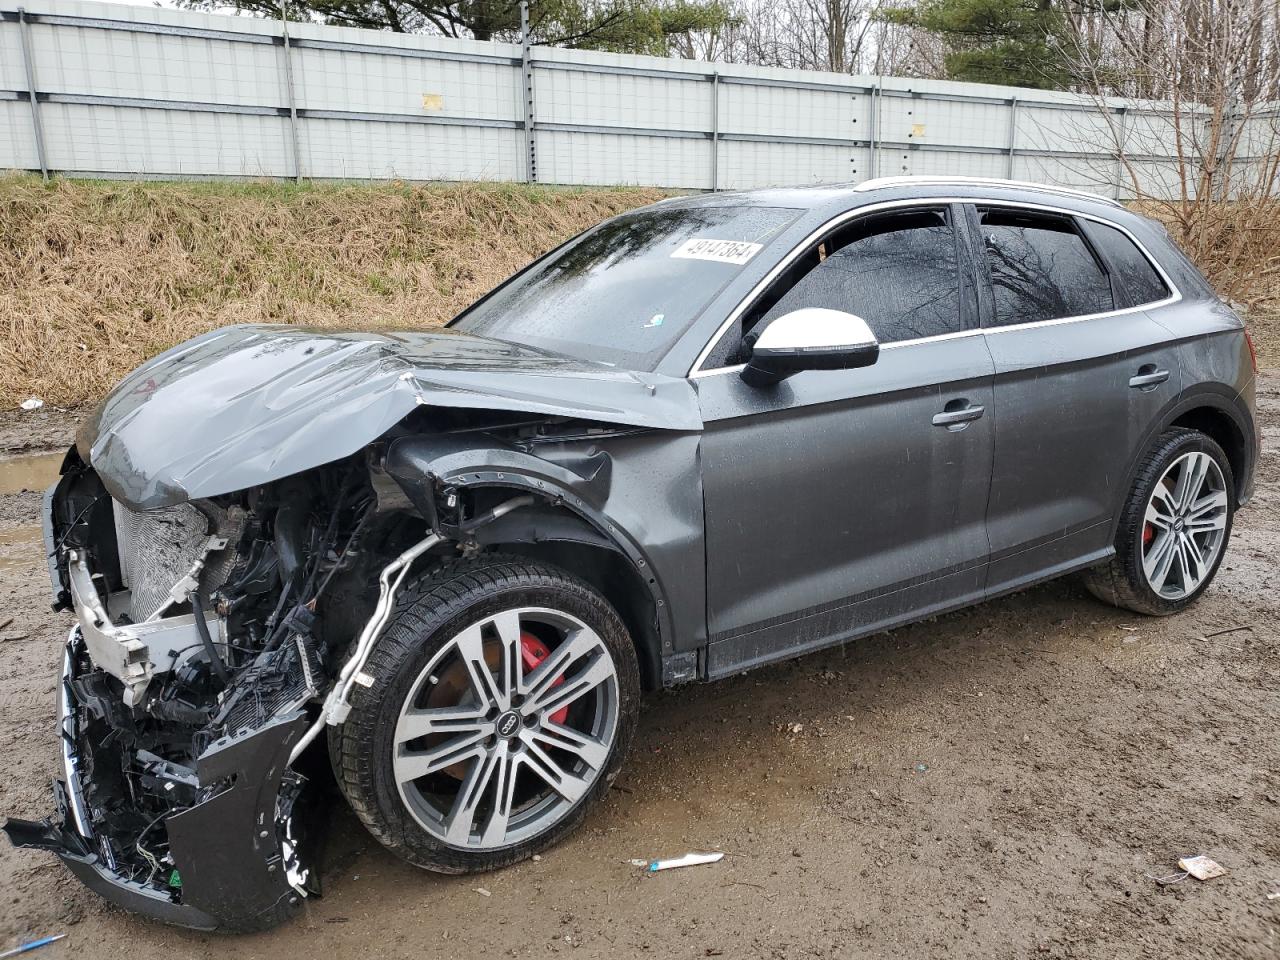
(721, 251)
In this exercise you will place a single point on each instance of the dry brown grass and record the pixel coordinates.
(1237, 246)
(96, 277)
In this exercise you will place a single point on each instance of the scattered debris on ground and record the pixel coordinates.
(688, 860)
(1201, 867)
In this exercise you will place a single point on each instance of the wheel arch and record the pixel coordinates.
(1215, 410)
(1215, 423)
(567, 525)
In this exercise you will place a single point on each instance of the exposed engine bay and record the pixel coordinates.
(215, 640)
(231, 531)
(205, 630)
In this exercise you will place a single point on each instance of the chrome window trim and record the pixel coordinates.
(1175, 295)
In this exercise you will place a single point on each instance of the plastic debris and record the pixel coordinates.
(483, 892)
(688, 860)
(1202, 868)
(31, 403)
(33, 945)
(922, 768)
(1274, 896)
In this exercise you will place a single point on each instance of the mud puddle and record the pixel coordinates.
(31, 471)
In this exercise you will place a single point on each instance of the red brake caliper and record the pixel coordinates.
(533, 651)
(1148, 534)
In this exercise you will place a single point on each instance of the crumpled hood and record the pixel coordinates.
(246, 405)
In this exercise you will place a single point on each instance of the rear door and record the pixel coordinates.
(841, 502)
(1081, 374)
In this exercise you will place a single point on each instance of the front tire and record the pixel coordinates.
(1174, 527)
(505, 695)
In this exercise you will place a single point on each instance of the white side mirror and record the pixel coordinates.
(813, 338)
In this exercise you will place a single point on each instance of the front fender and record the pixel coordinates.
(639, 494)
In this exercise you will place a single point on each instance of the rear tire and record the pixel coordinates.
(461, 756)
(1174, 527)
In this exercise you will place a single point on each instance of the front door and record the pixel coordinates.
(839, 503)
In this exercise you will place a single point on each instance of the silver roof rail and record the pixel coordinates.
(881, 182)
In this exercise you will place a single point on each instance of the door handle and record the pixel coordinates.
(957, 414)
(1148, 376)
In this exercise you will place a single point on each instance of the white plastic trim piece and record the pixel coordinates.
(336, 705)
(816, 328)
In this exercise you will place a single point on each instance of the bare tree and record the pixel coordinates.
(1205, 158)
(844, 36)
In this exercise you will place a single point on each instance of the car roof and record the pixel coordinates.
(834, 198)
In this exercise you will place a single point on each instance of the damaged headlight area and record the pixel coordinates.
(208, 634)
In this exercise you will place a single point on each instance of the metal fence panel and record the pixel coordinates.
(17, 139)
(142, 91)
(362, 150)
(745, 164)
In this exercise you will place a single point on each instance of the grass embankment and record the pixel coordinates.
(96, 277)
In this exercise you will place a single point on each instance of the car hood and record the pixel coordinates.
(246, 405)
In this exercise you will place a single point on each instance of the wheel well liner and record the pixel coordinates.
(566, 526)
(1219, 426)
(558, 535)
(1217, 412)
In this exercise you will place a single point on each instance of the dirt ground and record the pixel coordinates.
(1001, 782)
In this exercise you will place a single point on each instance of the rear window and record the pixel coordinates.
(625, 291)
(1041, 268)
(1138, 281)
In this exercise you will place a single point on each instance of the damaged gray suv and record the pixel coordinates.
(698, 438)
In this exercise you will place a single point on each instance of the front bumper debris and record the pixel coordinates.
(235, 866)
(128, 652)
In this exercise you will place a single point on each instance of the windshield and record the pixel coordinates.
(625, 291)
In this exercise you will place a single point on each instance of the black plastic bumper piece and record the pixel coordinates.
(88, 867)
(227, 849)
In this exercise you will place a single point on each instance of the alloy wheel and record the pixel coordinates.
(1184, 526)
(506, 728)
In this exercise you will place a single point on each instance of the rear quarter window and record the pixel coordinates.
(1138, 282)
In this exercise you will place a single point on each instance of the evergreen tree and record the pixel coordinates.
(619, 26)
(1021, 43)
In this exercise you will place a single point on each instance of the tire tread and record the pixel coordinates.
(1119, 581)
(422, 608)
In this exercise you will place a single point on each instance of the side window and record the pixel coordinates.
(898, 272)
(1041, 267)
(1139, 282)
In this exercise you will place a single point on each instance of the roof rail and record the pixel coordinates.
(880, 182)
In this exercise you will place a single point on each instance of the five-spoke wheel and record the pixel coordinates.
(1173, 527)
(504, 696)
(1185, 525)
(506, 728)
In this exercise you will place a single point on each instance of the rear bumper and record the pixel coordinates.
(1253, 442)
(235, 865)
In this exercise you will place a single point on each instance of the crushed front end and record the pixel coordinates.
(192, 674)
